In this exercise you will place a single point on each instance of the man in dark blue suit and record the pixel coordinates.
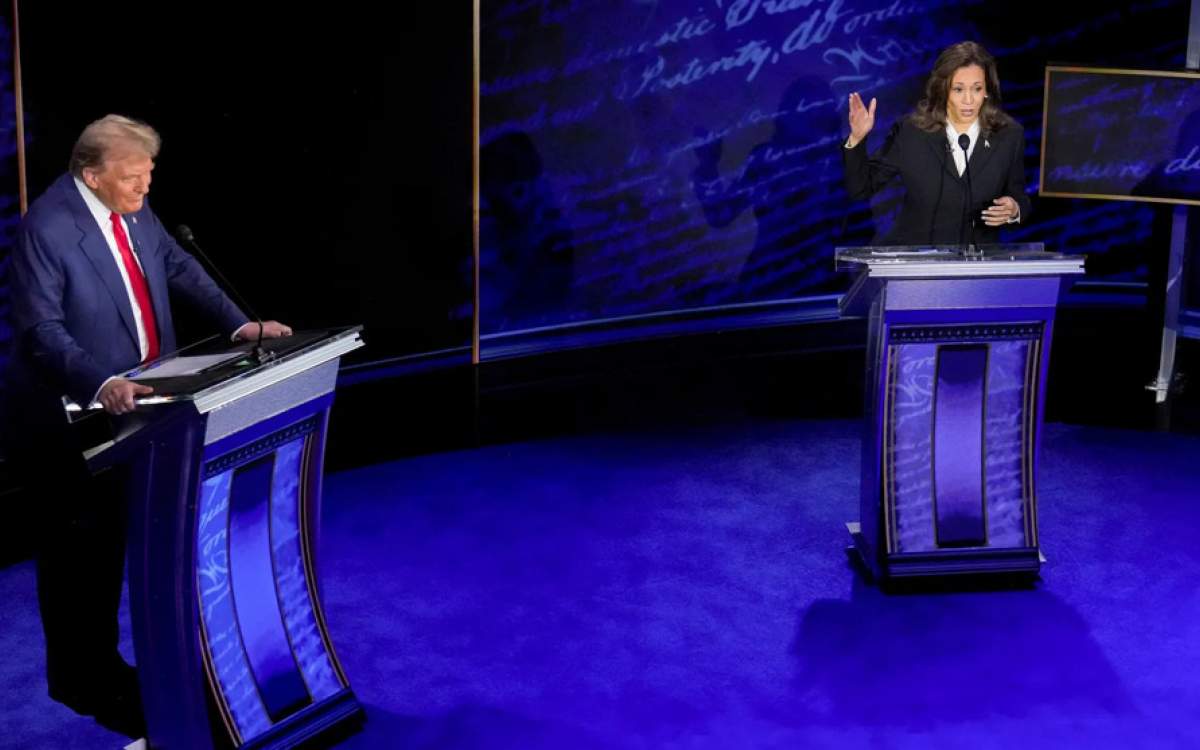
(92, 282)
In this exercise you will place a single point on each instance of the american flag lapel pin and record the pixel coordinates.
(134, 218)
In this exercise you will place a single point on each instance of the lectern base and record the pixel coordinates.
(1021, 563)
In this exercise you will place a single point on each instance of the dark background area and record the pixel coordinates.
(322, 157)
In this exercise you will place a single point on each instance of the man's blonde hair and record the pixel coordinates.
(103, 136)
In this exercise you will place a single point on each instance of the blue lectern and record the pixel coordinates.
(957, 353)
(225, 465)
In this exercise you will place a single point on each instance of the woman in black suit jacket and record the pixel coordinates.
(961, 107)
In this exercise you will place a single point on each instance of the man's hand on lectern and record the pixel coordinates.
(271, 329)
(117, 395)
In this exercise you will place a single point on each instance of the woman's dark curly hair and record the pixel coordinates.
(930, 114)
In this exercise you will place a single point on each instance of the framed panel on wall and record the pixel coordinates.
(1121, 135)
(1118, 134)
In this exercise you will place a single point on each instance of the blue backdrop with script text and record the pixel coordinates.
(639, 157)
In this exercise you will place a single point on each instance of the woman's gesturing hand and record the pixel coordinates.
(1002, 211)
(862, 119)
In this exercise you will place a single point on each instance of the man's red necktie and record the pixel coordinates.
(141, 292)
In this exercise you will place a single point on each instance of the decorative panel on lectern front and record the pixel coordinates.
(262, 641)
(958, 438)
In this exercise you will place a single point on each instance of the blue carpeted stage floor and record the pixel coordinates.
(689, 588)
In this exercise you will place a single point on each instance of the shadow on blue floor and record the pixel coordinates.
(932, 658)
(689, 588)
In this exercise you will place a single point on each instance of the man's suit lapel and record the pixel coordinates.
(93, 245)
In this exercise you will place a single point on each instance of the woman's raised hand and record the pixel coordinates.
(862, 119)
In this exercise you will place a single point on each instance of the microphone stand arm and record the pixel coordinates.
(262, 356)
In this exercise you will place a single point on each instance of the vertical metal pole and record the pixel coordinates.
(477, 45)
(18, 95)
(1166, 359)
(1170, 334)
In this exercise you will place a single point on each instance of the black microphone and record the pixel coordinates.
(964, 142)
(185, 234)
